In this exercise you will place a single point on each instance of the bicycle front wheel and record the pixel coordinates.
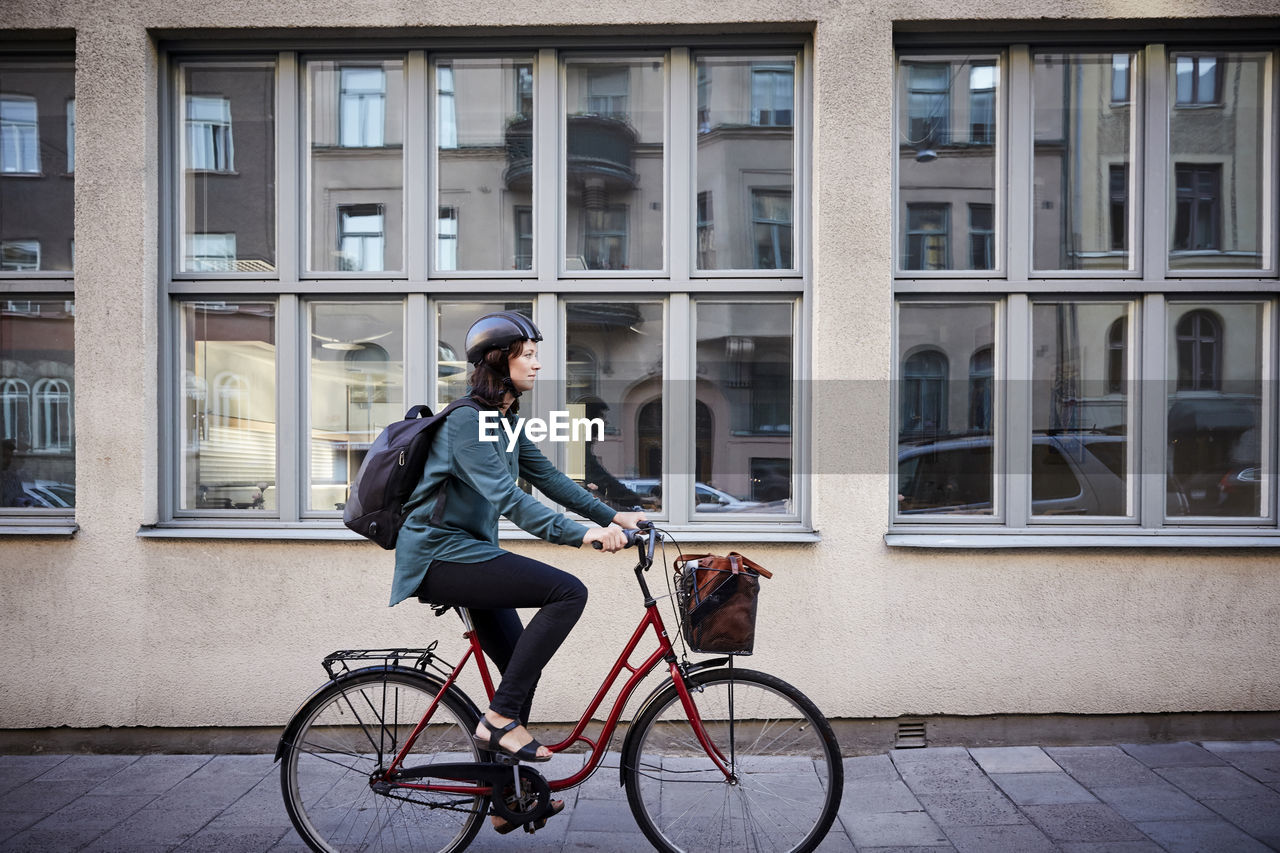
(351, 730)
(787, 774)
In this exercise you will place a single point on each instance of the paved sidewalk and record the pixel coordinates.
(1180, 797)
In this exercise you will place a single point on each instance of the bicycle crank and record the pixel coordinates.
(521, 794)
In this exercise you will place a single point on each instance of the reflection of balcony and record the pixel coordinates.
(596, 146)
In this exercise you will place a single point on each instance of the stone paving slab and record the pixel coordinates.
(1218, 797)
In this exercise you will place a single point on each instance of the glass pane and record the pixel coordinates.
(228, 432)
(453, 319)
(948, 109)
(614, 142)
(746, 162)
(356, 164)
(37, 208)
(1215, 430)
(946, 408)
(1083, 159)
(1080, 408)
(228, 156)
(37, 418)
(485, 163)
(743, 411)
(1218, 129)
(613, 372)
(356, 387)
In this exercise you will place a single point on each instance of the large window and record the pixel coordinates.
(1112, 369)
(419, 190)
(37, 298)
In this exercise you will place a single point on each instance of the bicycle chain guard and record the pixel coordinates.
(531, 803)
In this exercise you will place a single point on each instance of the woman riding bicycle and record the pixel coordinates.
(448, 554)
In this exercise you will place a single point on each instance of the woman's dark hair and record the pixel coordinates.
(491, 378)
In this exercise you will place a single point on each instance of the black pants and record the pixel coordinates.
(491, 590)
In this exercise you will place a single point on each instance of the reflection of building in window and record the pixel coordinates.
(1199, 82)
(582, 373)
(524, 90)
(927, 230)
(772, 96)
(53, 414)
(649, 439)
(524, 237)
(704, 98)
(928, 107)
(771, 392)
(447, 238)
(19, 135)
(15, 411)
(981, 371)
(982, 235)
(361, 240)
(924, 393)
(210, 145)
(982, 105)
(770, 478)
(210, 253)
(604, 243)
(231, 400)
(607, 89)
(20, 255)
(362, 115)
(706, 233)
(71, 135)
(1117, 347)
(1199, 352)
(196, 391)
(1120, 78)
(1198, 216)
(446, 108)
(1119, 207)
(771, 226)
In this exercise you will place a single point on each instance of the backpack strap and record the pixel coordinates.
(442, 493)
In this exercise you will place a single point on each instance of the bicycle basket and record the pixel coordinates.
(717, 599)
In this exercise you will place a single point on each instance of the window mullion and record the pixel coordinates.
(288, 156)
(1152, 419)
(1154, 161)
(547, 313)
(678, 410)
(548, 160)
(421, 354)
(292, 448)
(1016, 441)
(682, 147)
(419, 168)
(1019, 195)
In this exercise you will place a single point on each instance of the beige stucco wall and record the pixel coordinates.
(110, 629)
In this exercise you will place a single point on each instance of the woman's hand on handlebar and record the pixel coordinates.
(609, 538)
(629, 520)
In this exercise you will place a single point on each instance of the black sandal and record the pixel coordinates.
(528, 752)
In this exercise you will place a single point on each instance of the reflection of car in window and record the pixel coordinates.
(706, 498)
(1075, 474)
(49, 494)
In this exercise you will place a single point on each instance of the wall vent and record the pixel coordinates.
(910, 735)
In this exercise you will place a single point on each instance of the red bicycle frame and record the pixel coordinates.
(651, 619)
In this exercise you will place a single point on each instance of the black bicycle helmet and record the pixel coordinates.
(499, 331)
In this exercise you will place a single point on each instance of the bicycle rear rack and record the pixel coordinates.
(339, 663)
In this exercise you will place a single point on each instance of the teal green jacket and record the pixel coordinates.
(481, 480)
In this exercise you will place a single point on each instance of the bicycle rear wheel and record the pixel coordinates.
(788, 776)
(355, 727)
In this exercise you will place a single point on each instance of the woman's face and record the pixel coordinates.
(524, 367)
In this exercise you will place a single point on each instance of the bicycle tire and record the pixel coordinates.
(786, 762)
(351, 728)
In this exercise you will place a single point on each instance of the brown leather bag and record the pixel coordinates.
(718, 597)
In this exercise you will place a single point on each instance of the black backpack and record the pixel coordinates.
(391, 471)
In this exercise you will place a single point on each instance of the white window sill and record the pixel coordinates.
(1019, 539)
(330, 533)
(59, 528)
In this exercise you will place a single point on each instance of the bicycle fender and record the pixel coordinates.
(653, 697)
(295, 722)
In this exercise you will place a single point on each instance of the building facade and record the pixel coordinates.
(962, 321)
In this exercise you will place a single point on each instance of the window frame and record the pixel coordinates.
(1151, 286)
(420, 286)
